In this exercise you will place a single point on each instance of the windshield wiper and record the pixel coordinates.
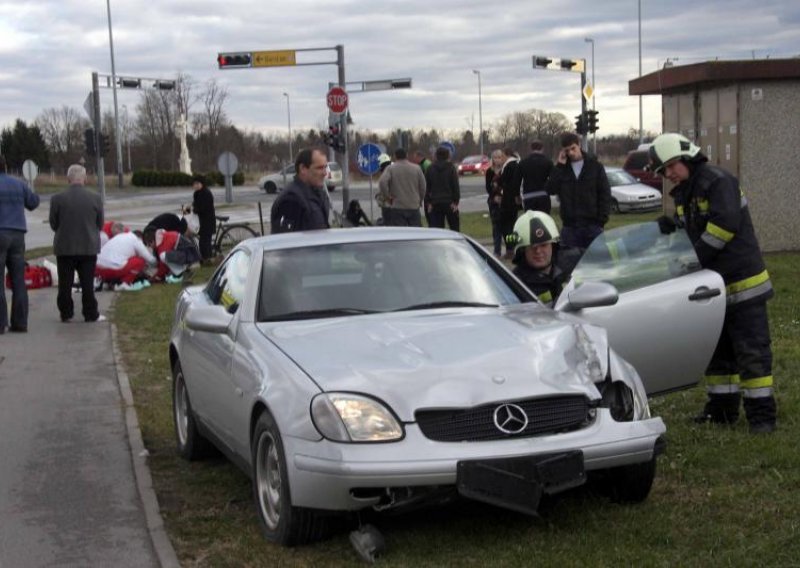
(311, 314)
(447, 304)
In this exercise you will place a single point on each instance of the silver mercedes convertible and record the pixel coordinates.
(388, 367)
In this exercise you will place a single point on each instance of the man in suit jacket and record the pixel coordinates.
(76, 217)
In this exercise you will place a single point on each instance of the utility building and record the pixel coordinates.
(745, 116)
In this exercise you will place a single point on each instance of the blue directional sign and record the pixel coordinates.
(368, 158)
(450, 147)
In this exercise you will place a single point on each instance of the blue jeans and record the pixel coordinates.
(12, 255)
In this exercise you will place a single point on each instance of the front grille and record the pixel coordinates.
(545, 416)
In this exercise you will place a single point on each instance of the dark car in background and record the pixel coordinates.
(636, 164)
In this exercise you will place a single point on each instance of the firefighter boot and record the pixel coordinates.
(720, 409)
(760, 414)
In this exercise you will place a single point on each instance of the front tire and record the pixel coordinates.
(630, 483)
(281, 522)
(190, 443)
(270, 187)
(615, 206)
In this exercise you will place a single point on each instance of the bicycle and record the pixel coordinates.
(228, 236)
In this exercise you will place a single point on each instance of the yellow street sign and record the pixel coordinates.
(588, 91)
(274, 58)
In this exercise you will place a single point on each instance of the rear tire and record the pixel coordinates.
(281, 522)
(191, 445)
(233, 235)
(615, 206)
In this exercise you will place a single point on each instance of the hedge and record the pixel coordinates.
(153, 178)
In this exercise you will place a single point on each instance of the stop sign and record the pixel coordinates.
(337, 100)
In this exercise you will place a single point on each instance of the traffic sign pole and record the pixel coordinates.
(343, 133)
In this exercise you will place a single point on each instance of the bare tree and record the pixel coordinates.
(62, 130)
(209, 122)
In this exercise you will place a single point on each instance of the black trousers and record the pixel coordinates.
(204, 243)
(67, 266)
(441, 211)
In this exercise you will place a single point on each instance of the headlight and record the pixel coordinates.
(346, 417)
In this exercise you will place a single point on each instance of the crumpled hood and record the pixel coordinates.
(448, 358)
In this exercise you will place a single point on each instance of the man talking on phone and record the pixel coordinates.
(579, 180)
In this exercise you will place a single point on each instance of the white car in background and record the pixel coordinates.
(273, 183)
(629, 194)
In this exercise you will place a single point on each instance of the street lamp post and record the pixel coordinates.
(480, 110)
(594, 88)
(114, 86)
(289, 118)
(641, 132)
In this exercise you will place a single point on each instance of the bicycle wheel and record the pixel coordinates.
(232, 235)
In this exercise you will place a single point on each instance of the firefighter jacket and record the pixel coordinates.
(714, 212)
(547, 284)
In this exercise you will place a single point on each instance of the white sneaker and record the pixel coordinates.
(123, 287)
(135, 287)
(100, 318)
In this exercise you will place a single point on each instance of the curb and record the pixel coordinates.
(144, 483)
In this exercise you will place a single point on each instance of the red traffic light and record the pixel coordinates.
(234, 60)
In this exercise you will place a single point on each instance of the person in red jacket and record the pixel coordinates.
(175, 253)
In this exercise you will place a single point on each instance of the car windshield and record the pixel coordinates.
(636, 256)
(620, 178)
(472, 160)
(383, 276)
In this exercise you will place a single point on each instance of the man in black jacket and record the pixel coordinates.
(203, 207)
(712, 208)
(535, 170)
(580, 183)
(443, 192)
(303, 206)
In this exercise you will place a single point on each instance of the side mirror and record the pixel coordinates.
(591, 295)
(214, 319)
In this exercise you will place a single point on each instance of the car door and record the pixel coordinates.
(208, 355)
(669, 315)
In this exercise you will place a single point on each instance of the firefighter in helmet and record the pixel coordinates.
(713, 210)
(538, 260)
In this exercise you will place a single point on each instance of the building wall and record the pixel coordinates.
(769, 160)
(751, 129)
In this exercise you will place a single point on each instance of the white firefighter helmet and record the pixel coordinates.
(668, 147)
(534, 228)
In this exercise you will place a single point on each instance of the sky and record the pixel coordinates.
(49, 48)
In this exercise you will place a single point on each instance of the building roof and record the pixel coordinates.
(679, 78)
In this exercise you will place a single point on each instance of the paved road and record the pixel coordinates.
(136, 207)
(68, 492)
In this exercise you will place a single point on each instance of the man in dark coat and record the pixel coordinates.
(580, 183)
(442, 192)
(535, 170)
(302, 206)
(203, 207)
(76, 217)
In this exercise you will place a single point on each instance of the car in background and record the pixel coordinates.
(273, 183)
(334, 178)
(637, 164)
(392, 367)
(628, 194)
(472, 165)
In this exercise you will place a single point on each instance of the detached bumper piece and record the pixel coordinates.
(518, 483)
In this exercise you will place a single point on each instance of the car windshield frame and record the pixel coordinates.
(621, 177)
(358, 278)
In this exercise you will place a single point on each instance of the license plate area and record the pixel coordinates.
(518, 483)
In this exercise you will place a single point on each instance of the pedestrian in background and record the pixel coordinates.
(579, 180)
(76, 217)
(203, 207)
(494, 197)
(15, 197)
(403, 187)
(535, 170)
(443, 192)
(510, 202)
(712, 208)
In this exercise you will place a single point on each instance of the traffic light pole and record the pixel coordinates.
(585, 138)
(101, 175)
(344, 161)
